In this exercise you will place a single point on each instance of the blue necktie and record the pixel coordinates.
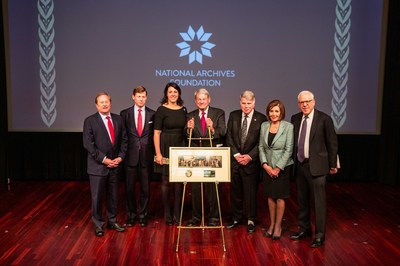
(302, 140)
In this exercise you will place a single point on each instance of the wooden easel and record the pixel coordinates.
(202, 225)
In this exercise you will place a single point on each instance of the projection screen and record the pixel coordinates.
(60, 54)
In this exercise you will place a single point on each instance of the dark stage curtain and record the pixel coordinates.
(364, 158)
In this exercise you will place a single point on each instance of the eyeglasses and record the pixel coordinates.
(306, 102)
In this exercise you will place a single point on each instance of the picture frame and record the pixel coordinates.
(199, 164)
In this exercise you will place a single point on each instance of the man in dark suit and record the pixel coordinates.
(242, 136)
(315, 154)
(138, 121)
(105, 140)
(202, 122)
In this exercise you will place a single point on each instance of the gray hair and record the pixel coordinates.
(247, 94)
(201, 91)
(306, 92)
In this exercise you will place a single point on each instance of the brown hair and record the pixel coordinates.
(139, 89)
(100, 94)
(274, 103)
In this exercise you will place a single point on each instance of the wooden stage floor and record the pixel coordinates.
(49, 223)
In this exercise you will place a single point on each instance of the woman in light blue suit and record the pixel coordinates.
(275, 151)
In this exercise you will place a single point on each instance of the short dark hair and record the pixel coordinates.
(274, 103)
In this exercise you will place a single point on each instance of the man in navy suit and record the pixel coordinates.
(105, 140)
(242, 136)
(214, 123)
(138, 121)
(315, 154)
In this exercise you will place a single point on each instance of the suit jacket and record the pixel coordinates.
(279, 154)
(139, 148)
(233, 135)
(98, 144)
(323, 146)
(218, 117)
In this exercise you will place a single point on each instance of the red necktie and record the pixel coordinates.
(110, 129)
(203, 123)
(139, 122)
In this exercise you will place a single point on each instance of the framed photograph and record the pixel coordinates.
(199, 164)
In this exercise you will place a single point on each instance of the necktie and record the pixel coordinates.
(139, 123)
(243, 131)
(302, 140)
(203, 123)
(110, 129)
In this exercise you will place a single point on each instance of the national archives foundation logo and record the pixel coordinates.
(190, 36)
(190, 76)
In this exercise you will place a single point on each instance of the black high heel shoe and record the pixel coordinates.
(274, 237)
(266, 234)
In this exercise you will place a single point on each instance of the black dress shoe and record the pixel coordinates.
(142, 222)
(116, 227)
(130, 222)
(300, 235)
(233, 225)
(213, 222)
(317, 242)
(251, 228)
(169, 223)
(193, 222)
(99, 231)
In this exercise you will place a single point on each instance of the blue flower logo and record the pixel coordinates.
(189, 39)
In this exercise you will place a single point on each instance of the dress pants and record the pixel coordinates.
(108, 185)
(134, 174)
(244, 188)
(210, 195)
(311, 190)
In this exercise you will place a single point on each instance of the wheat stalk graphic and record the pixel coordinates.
(341, 53)
(47, 61)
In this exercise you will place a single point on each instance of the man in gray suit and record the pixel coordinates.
(315, 154)
(138, 121)
(105, 140)
(242, 136)
(202, 122)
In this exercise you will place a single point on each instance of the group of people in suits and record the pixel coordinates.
(265, 145)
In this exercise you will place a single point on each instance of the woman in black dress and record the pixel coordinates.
(275, 151)
(169, 124)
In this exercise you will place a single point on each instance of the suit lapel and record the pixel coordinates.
(314, 124)
(116, 127)
(197, 122)
(268, 125)
(101, 124)
(279, 133)
(239, 126)
(147, 120)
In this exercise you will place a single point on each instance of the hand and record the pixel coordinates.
(117, 161)
(159, 159)
(209, 123)
(275, 172)
(190, 123)
(243, 159)
(109, 163)
(267, 169)
(333, 171)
